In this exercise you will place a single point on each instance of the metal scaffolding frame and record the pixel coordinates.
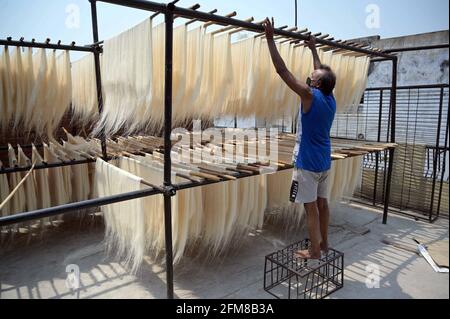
(169, 190)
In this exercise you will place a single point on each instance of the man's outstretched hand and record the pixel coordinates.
(311, 42)
(268, 26)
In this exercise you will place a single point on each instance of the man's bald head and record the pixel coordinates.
(324, 79)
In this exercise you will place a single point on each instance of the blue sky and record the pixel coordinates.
(344, 19)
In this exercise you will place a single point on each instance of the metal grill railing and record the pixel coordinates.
(420, 175)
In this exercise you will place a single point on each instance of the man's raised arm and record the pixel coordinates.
(299, 87)
(312, 46)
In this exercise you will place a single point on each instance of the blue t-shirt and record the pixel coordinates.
(315, 144)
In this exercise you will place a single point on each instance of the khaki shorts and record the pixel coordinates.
(308, 186)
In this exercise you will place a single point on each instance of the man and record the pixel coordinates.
(313, 161)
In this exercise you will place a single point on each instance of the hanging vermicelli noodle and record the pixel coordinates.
(2, 93)
(288, 102)
(204, 96)
(58, 151)
(64, 93)
(4, 192)
(38, 95)
(30, 185)
(349, 81)
(51, 92)
(18, 203)
(127, 79)
(281, 92)
(42, 182)
(179, 72)
(331, 176)
(341, 80)
(182, 209)
(223, 76)
(8, 89)
(192, 197)
(124, 221)
(80, 182)
(242, 64)
(35, 90)
(256, 215)
(18, 79)
(361, 83)
(56, 180)
(254, 77)
(152, 205)
(29, 78)
(84, 90)
(194, 63)
(355, 176)
(212, 77)
(215, 201)
(270, 83)
(155, 112)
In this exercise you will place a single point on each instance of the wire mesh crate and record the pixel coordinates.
(290, 277)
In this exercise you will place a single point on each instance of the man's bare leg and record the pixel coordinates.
(312, 214)
(324, 218)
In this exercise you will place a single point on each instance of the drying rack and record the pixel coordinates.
(168, 190)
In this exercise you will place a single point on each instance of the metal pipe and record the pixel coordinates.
(98, 75)
(331, 48)
(187, 185)
(443, 161)
(194, 7)
(380, 111)
(5, 148)
(352, 43)
(332, 39)
(380, 60)
(282, 37)
(225, 29)
(295, 41)
(195, 20)
(354, 54)
(418, 48)
(62, 164)
(393, 108)
(440, 148)
(412, 87)
(436, 152)
(229, 15)
(139, 4)
(318, 35)
(46, 45)
(167, 149)
(377, 155)
(73, 207)
(263, 33)
(306, 34)
(296, 13)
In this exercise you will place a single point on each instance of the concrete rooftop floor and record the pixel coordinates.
(38, 269)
